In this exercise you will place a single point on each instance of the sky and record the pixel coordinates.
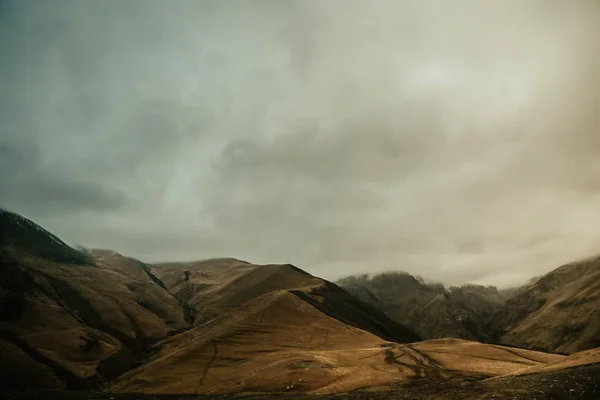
(458, 141)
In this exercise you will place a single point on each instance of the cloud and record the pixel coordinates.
(457, 141)
(32, 187)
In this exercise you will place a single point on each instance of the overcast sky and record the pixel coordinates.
(458, 140)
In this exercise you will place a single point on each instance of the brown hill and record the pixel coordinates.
(279, 343)
(69, 319)
(96, 319)
(431, 310)
(214, 287)
(74, 319)
(287, 341)
(558, 312)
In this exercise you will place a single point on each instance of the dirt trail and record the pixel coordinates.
(395, 354)
(424, 369)
(208, 365)
(393, 358)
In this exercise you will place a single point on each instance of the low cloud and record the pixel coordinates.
(457, 141)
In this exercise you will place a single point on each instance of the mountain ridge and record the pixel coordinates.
(96, 319)
(430, 309)
(565, 298)
(82, 323)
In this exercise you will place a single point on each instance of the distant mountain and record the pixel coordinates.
(558, 312)
(431, 310)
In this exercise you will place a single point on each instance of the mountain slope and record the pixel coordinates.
(214, 287)
(21, 235)
(96, 319)
(313, 338)
(280, 343)
(76, 319)
(69, 319)
(558, 312)
(431, 310)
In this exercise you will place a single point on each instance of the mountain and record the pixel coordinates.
(72, 319)
(431, 310)
(95, 319)
(20, 235)
(214, 287)
(75, 319)
(557, 312)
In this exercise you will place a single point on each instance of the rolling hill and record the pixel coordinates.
(95, 319)
(214, 287)
(75, 319)
(70, 319)
(558, 312)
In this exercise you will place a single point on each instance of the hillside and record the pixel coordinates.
(431, 310)
(74, 319)
(95, 319)
(307, 352)
(20, 235)
(557, 313)
(215, 287)
(71, 319)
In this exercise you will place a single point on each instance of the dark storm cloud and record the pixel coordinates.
(32, 187)
(455, 140)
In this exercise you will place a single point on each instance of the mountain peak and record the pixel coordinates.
(22, 235)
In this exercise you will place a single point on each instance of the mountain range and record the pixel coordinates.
(86, 320)
(556, 312)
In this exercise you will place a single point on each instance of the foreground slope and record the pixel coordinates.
(280, 343)
(557, 313)
(578, 383)
(431, 310)
(73, 319)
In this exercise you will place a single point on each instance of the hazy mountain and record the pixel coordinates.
(558, 312)
(431, 310)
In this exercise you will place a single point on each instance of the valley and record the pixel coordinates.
(95, 324)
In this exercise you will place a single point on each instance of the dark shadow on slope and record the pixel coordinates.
(339, 304)
(25, 236)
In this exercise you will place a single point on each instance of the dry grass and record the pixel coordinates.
(587, 357)
(78, 325)
(557, 313)
(279, 343)
(270, 329)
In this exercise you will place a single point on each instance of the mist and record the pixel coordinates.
(454, 140)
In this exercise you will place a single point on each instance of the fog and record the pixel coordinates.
(454, 140)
